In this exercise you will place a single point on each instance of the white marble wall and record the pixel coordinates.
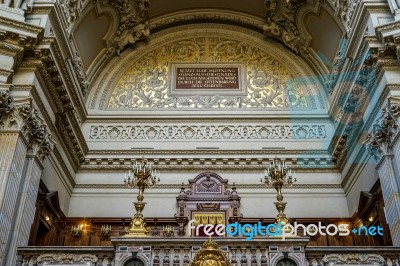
(255, 202)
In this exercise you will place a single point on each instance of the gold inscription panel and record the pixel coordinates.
(208, 79)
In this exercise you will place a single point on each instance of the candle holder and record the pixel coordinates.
(142, 176)
(278, 175)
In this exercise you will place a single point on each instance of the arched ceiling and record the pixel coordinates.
(251, 7)
(103, 29)
(269, 77)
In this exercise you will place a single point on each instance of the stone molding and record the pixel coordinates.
(207, 132)
(205, 163)
(179, 186)
(54, 73)
(263, 152)
(70, 132)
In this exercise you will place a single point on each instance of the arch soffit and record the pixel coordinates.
(107, 80)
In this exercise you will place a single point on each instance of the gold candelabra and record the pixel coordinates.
(142, 176)
(278, 175)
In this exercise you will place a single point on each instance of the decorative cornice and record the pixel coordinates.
(179, 186)
(56, 78)
(270, 152)
(238, 164)
(69, 132)
(32, 30)
(387, 28)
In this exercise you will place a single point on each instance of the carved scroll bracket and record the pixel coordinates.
(132, 22)
(281, 24)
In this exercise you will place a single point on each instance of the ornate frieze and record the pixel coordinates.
(145, 83)
(353, 259)
(65, 258)
(207, 132)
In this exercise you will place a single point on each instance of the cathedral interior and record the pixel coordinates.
(199, 132)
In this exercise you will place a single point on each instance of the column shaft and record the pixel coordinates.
(12, 160)
(390, 191)
(23, 218)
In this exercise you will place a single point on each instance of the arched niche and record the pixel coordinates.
(141, 81)
(134, 262)
(286, 262)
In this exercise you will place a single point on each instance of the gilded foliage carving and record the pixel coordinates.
(269, 84)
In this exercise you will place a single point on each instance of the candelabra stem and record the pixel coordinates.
(279, 196)
(280, 206)
(138, 225)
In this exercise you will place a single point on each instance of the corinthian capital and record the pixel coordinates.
(6, 104)
(385, 127)
(21, 115)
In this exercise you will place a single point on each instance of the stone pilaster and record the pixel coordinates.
(395, 8)
(26, 142)
(387, 175)
(23, 219)
(12, 159)
(383, 145)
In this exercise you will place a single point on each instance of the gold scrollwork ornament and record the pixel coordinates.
(210, 255)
